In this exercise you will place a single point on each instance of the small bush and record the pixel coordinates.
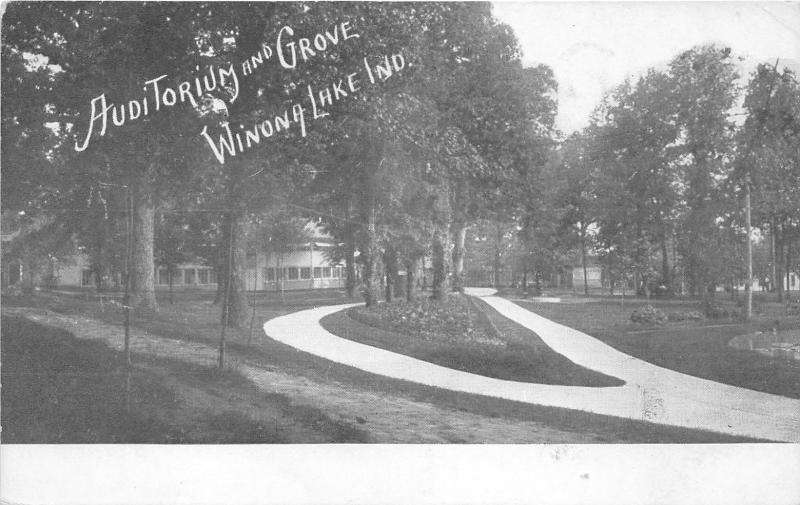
(717, 311)
(692, 315)
(648, 315)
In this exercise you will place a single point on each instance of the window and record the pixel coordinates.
(338, 272)
(269, 274)
(202, 276)
(163, 277)
(305, 273)
(317, 272)
(188, 276)
(86, 278)
(212, 276)
(293, 273)
(326, 272)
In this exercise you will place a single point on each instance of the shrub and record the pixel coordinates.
(717, 311)
(692, 315)
(648, 315)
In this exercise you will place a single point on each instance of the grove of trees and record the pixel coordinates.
(654, 186)
(461, 143)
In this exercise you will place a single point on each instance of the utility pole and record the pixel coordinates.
(748, 287)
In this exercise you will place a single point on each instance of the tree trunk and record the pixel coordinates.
(424, 276)
(748, 287)
(371, 274)
(440, 266)
(350, 266)
(399, 285)
(459, 249)
(666, 274)
(788, 269)
(236, 292)
(497, 255)
(779, 262)
(220, 269)
(372, 278)
(411, 289)
(170, 274)
(142, 290)
(583, 261)
(350, 257)
(772, 254)
(390, 267)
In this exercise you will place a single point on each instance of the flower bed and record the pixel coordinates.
(463, 334)
(455, 321)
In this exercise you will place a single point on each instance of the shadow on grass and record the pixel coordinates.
(698, 348)
(279, 418)
(61, 389)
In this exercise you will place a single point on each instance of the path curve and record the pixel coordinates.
(650, 393)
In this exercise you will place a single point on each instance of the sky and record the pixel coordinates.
(594, 46)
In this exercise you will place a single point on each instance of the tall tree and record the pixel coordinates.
(101, 55)
(703, 91)
(769, 153)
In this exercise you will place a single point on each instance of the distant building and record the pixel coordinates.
(302, 266)
(594, 277)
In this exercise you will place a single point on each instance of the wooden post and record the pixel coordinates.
(225, 308)
(128, 260)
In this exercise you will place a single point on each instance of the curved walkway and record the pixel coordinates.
(651, 393)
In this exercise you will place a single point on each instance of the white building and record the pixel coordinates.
(302, 266)
(594, 277)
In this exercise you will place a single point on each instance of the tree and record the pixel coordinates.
(704, 90)
(103, 54)
(502, 110)
(768, 153)
(172, 244)
(636, 184)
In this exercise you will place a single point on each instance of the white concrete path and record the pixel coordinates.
(651, 393)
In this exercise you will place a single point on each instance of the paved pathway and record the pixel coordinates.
(651, 393)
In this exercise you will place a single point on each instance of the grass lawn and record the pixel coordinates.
(349, 405)
(467, 335)
(698, 348)
(60, 389)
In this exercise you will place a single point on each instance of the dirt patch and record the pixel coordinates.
(393, 419)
